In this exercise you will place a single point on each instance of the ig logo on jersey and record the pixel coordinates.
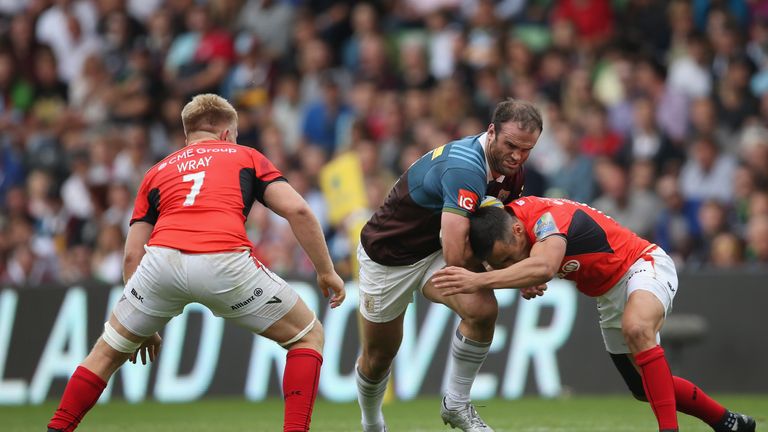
(467, 200)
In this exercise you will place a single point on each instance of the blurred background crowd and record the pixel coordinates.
(654, 111)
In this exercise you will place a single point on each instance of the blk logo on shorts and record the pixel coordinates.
(136, 294)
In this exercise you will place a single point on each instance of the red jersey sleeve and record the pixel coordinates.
(265, 173)
(146, 206)
(542, 217)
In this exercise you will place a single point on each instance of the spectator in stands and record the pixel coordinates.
(647, 141)
(708, 172)
(712, 221)
(269, 21)
(574, 179)
(727, 251)
(323, 121)
(107, 259)
(199, 60)
(676, 223)
(757, 241)
(634, 209)
(598, 139)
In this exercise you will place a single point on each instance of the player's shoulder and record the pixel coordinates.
(531, 205)
(469, 146)
(463, 153)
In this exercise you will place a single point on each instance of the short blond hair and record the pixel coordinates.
(208, 113)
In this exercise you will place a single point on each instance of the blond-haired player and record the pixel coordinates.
(187, 243)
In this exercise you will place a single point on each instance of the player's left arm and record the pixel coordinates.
(283, 199)
(539, 268)
(138, 236)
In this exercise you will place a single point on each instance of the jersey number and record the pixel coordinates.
(197, 182)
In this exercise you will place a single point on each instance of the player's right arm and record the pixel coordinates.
(283, 199)
(145, 214)
(455, 237)
(138, 236)
(462, 190)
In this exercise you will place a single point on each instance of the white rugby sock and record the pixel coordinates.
(467, 356)
(370, 396)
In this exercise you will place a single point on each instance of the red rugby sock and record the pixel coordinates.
(302, 373)
(659, 386)
(693, 401)
(81, 393)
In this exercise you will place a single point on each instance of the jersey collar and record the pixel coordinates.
(483, 138)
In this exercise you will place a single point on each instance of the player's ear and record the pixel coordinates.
(518, 230)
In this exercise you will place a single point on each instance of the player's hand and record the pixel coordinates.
(332, 282)
(533, 292)
(150, 346)
(457, 280)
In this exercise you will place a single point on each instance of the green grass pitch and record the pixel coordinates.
(579, 414)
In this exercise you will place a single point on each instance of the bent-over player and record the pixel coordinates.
(532, 240)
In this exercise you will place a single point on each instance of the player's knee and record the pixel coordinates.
(311, 337)
(480, 314)
(376, 360)
(638, 333)
(316, 336)
(118, 342)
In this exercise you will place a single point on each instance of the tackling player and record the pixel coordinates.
(532, 240)
(187, 243)
(422, 225)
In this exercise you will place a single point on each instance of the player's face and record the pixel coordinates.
(511, 250)
(509, 147)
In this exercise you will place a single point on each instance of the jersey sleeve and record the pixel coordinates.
(265, 173)
(463, 190)
(146, 207)
(552, 222)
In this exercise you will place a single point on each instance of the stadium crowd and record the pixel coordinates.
(655, 111)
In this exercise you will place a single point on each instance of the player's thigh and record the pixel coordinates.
(158, 287)
(238, 288)
(650, 291)
(133, 323)
(386, 291)
(284, 318)
(479, 306)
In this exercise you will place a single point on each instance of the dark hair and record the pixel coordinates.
(487, 225)
(525, 114)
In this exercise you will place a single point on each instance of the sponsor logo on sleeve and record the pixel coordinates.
(467, 200)
(545, 226)
(568, 267)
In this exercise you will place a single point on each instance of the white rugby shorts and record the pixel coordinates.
(233, 285)
(385, 291)
(654, 272)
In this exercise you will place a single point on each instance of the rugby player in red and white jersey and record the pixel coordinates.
(531, 240)
(187, 243)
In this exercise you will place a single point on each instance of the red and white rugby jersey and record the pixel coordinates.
(199, 197)
(599, 250)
